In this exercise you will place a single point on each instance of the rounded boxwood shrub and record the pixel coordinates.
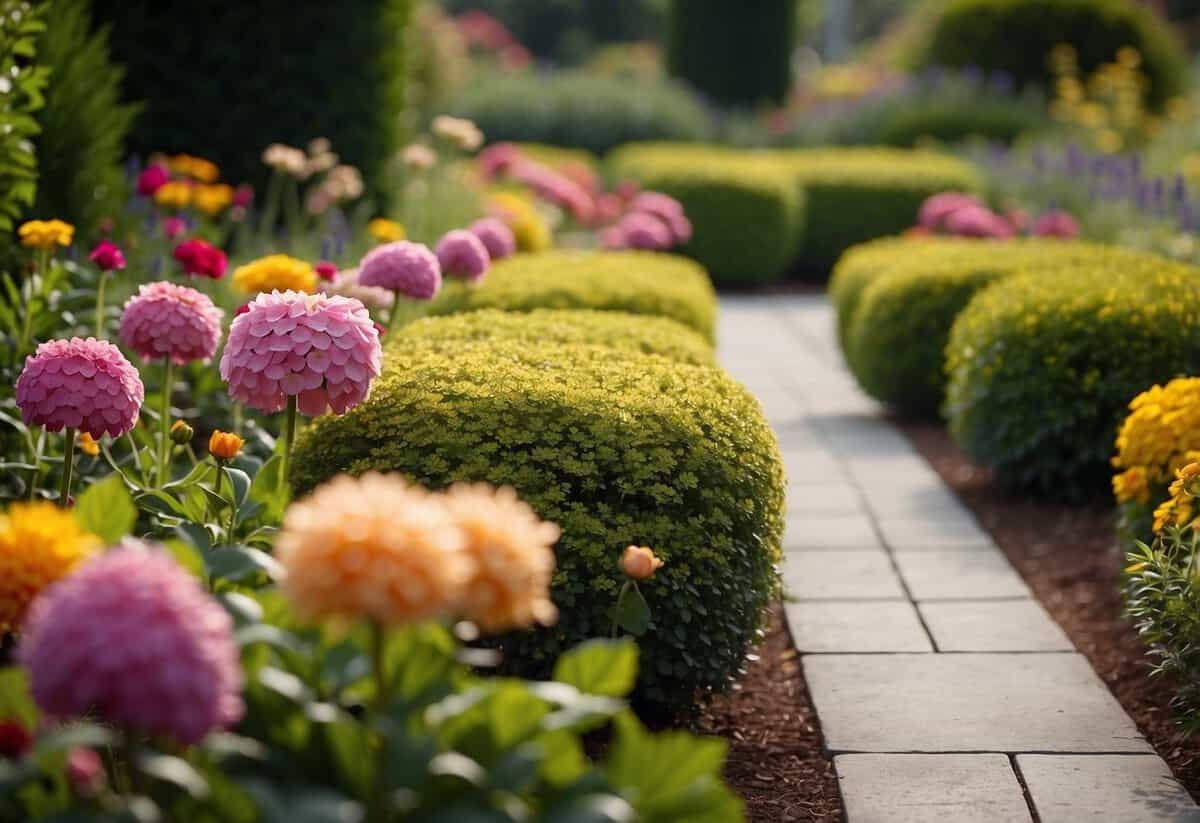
(1042, 365)
(746, 214)
(628, 281)
(643, 334)
(616, 448)
(1017, 36)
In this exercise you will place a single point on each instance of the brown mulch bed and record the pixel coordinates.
(776, 759)
(1068, 556)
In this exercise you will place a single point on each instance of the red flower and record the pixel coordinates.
(15, 741)
(382, 331)
(242, 309)
(243, 196)
(200, 258)
(107, 256)
(152, 179)
(326, 270)
(174, 227)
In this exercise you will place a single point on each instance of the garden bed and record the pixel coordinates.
(1069, 558)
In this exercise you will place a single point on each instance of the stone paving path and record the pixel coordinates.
(945, 691)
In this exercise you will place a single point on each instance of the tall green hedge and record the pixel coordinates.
(736, 52)
(225, 78)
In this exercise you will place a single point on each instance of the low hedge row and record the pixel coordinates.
(740, 200)
(1041, 365)
(626, 281)
(616, 446)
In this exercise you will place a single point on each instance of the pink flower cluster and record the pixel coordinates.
(496, 237)
(555, 187)
(320, 349)
(133, 638)
(965, 215)
(462, 255)
(82, 384)
(654, 222)
(408, 268)
(166, 320)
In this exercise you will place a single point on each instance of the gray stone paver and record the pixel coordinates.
(989, 675)
(822, 531)
(823, 626)
(919, 788)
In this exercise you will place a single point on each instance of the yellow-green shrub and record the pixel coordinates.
(639, 333)
(746, 216)
(617, 448)
(1042, 365)
(627, 281)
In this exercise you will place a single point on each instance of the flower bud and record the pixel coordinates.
(85, 772)
(15, 741)
(181, 433)
(225, 445)
(639, 563)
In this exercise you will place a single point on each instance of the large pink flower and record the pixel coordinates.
(405, 267)
(167, 320)
(496, 237)
(645, 231)
(1055, 223)
(977, 221)
(938, 207)
(81, 384)
(462, 255)
(132, 638)
(320, 349)
(668, 210)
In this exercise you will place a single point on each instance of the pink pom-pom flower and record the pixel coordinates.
(132, 638)
(937, 208)
(1055, 223)
(322, 350)
(107, 256)
(81, 384)
(977, 221)
(402, 266)
(496, 237)
(463, 255)
(645, 231)
(167, 320)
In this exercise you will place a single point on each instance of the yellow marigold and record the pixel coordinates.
(528, 227)
(372, 547)
(275, 271)
(196, 168)
(45, 234)
(513, 554)
(87, 444)
(1162, 432)
(385, 231)
(174, 195)
(213, 199)
(39, 544)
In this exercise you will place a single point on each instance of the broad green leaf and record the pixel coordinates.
(106, 509)
(601, 667)
(174, 770)
(16, 701)
(236, 563)
(241, 483)
(632, 612)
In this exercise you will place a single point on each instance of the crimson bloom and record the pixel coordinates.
(107, 256)
(201, 258)
(152, 179)
(174, 227)
(326, 270)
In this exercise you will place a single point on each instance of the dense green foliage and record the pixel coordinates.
(84, 124)
(745, 215)
(615, 447)
(627, 281)
(735, 53)
(581, 110)
(20, 99)
(301, 70)
(1016, 36)
(1041, 366)
(644, 334)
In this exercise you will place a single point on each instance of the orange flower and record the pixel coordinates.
(39, 544)
(640, 563)
(87, 444)
(225, 445)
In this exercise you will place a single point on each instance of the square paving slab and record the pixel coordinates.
(822, 531)
(948, 575)
(993, 626)
(1124, 788)
(920, 788)
(945, 530)
(840, 575)
(832, 498)
(856, 626)
(967, 703)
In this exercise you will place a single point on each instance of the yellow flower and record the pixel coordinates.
(528, 227)
(213, 199)
(45, 234)
(196, 168)
(513, 554)
(39, 544)
(87, 444)
(372, 547)
(275, 271)
(224, 445)
(174, 195)
(385, 231)
(639, 563)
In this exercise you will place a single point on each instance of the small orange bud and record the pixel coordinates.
(87, 444)
(639, 563)
(181, 433)
(225, 445)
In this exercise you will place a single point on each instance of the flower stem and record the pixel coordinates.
(395, 312)
(164, 444)
(289, 438)
(617, 608)
(377, 811)
(100, 306)
(68, 468)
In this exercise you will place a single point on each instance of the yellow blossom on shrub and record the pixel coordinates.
(1179, 509)
(373, 547)
(1131, 485)
(385, 231)
(45, 234)
(194, 167)
(174, 195)
(1160, 436)
(39, 544)
(213, 199)
(275, 271)
(513, 558)
(530, 230)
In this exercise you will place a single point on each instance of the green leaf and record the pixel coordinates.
(267, 490)
(174, 770)
(348, 742)
(16, 701)
(607, 668)
(106, 509)
(632, 612)
(236, 563)
(240, 482)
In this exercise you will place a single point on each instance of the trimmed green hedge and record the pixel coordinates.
(641, 334)
(746, 216)
(627, 281)
(1042, 365)
(1017, 36)
(616, 448)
